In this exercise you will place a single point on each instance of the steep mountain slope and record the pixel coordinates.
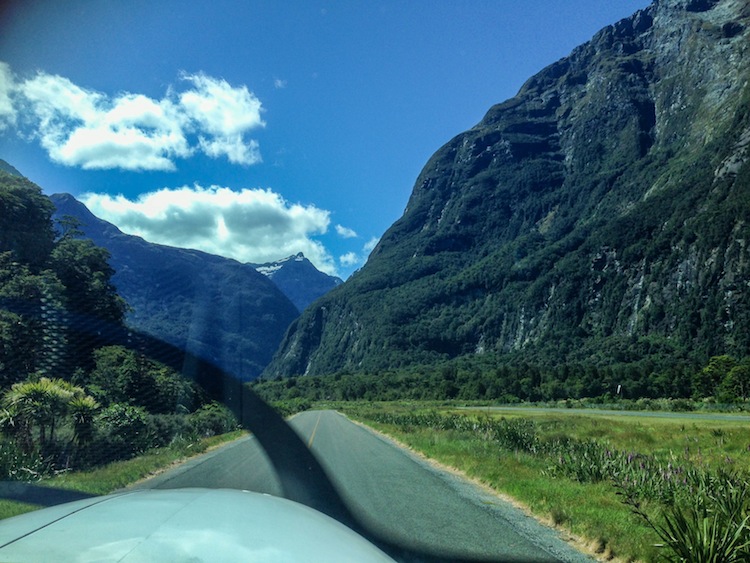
(6, 167)
(298, 279)
(216, 308)
(602, 215)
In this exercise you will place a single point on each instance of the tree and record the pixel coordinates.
(31, 333)
(121, 375)
(90, 299)
(707, 380)
(735, 385)
(83, 410)
(115, 374)
(39, 278)
(213, 418)
(69, 226)
(125, 427)
(25, 221)
(42, 405)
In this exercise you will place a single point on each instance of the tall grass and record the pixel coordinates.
(17, 465)
(710, 525)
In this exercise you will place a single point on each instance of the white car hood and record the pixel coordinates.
(182, 525)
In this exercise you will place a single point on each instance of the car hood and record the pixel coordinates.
(182, 525)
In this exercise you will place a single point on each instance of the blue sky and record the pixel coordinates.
(259, 129)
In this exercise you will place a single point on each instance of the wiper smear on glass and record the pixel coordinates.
(300, 474)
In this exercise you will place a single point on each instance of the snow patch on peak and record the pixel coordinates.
(270, 269)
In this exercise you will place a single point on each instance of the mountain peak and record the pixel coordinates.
(298, 279)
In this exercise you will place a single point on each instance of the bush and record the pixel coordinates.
(291, 406)
(212, 419)
(710, 525)
(164, 429)
(122, 432)
(16, 465)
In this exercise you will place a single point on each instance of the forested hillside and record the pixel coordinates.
(214, 307)
(599, 219)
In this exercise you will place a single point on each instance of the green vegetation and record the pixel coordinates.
(119, 474)
(646, 481)
(68, 401)
(724, 382)
(711, 525)
(585, 244)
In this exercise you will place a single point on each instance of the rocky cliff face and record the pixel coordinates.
(601, 214)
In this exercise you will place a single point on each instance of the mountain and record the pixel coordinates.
(600, 216)
(5, 167)
(213, 307)
(298, 279)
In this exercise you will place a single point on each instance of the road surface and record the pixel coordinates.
(396, 495)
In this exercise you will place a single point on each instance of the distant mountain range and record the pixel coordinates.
(298, 279)
(217, 308)
(229, 313)
(601, 216)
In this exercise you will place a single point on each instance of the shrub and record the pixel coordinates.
(122, 432)
(17, 465)
(212, 419)
(164, 429)
(291, 406)
(711, 525)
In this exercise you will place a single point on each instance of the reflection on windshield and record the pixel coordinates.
(300, 474)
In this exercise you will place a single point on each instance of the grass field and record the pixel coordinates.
(716, 443)
(537, 458)
(120, 474)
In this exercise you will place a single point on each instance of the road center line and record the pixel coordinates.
(312, 436)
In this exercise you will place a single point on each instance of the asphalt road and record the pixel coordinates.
(394, 494)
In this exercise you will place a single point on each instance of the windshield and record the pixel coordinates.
(326, 251)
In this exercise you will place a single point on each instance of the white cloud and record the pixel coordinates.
(345, 232)
(370, 245)
(7, 112)
(132, 132)
(81, 127)
(234, 148)
(353, 259)
(278, 83)
(350, 259)
(226, 113)
(221, 109)
(251, 225)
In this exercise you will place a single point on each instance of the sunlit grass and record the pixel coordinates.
(713, 443)
(10, 508)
